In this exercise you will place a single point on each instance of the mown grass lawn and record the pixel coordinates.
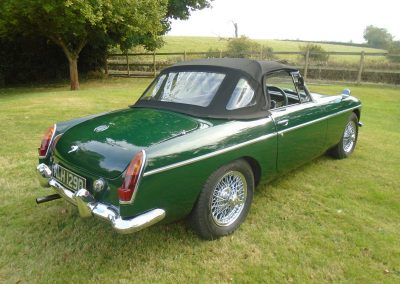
(328, 221)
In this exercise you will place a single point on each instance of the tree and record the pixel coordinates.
(236, 27)
(377, 37)
(71, 24)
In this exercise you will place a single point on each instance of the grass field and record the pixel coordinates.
(188, 43)
(328, 221)
(200, 44)
(176, 44)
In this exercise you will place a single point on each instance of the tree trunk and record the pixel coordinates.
(72, 55)
(73, 73)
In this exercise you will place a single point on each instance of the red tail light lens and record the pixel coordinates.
(48, 136)
(126, 191)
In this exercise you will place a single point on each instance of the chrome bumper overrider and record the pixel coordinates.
(88, 206)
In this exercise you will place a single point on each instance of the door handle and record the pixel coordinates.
(283, 122)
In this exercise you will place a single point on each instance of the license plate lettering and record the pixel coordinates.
(68, 178)
(81, 185)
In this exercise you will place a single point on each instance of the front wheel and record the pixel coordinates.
(224, 201)
(349, 139)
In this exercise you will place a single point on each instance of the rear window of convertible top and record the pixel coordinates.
(186, 87)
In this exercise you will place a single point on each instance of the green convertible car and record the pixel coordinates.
(195, 145)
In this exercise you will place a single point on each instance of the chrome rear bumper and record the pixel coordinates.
(88, 206)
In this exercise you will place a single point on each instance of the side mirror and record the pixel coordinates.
(346, 93)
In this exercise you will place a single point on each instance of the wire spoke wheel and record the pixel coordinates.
(348, 141)
(224, 202)
(228, 198)
(349, 136)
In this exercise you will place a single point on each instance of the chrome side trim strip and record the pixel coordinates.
(317, 120)
(209, 155)
(218, 152)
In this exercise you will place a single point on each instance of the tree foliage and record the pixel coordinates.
(377, 37)
(72, 24)
(316, 52)
(181, 9)
(242, 47)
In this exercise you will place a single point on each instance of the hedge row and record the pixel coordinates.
(35, 59)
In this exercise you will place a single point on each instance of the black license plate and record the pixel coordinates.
(69, 179)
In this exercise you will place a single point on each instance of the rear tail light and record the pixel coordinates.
(46, 141)
(54, 142)
(127, 191)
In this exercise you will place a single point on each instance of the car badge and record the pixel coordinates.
(101, 128)
(73, 149)
(99, 185)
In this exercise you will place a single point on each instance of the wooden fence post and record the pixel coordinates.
(361, 67)
(154, 64)
(306, 63)
(114, 67)
(261, 53)
(127, 65)
(184, 55)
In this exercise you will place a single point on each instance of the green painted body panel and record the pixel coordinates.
(334, 105)
(177, 189)
(183, 151)
(107, 143)
(298, 144)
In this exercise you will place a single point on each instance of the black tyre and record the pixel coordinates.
(349, 139)
(224, 202)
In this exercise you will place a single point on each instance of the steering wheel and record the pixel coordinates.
(285, 98)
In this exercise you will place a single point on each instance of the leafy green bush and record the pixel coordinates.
(312, 47)
(213, 53)
(267, 53)
(242, 47)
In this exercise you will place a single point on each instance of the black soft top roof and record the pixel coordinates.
(255, 68)
(234, 69)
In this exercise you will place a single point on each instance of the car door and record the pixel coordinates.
(299, 120)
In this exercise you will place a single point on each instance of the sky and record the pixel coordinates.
(338, 20)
